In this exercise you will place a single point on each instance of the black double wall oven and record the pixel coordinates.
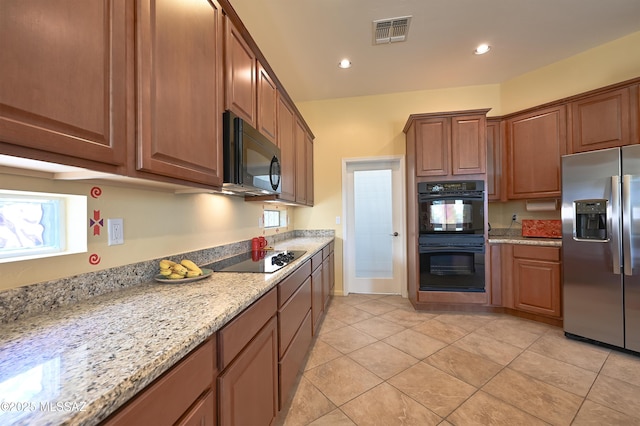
(451, 241)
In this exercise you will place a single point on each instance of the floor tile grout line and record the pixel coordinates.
(522, 351)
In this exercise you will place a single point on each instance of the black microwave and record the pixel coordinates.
(251, 161)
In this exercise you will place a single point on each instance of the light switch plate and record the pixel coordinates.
(115, 229)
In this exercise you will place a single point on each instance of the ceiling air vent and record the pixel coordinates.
(390, 30)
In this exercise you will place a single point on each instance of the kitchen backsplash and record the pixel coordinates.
(37, 298)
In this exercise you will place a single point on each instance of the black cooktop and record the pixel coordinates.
(261, 261)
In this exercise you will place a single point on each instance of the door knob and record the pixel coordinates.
(395, 234)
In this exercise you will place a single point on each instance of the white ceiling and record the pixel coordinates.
(303, 40)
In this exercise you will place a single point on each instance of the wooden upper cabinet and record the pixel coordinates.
(309, 168)
(240, 69)
(180, 104)
(301, 160)
(286, 141)
(495, 149)
(535, 143)
(64, 87)
(267, 104)
(604, 120)
(433, 137)
(449, 144)
(468, 145)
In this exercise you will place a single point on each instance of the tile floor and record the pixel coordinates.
(377, 361)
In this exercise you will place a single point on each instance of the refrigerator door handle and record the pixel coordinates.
(626, 225)
(614, 224)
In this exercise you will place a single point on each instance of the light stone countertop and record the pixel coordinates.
(514, 239)
(92, 357)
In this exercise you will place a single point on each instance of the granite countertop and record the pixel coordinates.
(518, 239)
(91, 357)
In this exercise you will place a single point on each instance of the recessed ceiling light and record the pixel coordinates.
(345, 63)
(482, 49)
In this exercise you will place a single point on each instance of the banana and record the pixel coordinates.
(191, 274)
(166, 263)
(179, 269)
(191, 266)
(165, 272)
(175, 276)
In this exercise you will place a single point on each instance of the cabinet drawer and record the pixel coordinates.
(289, 285)
(167, 399)
(325, 251)
(292, 361)
(235, 335)
(551, 254)
(202, 413)
(292, 314)
(316, 260)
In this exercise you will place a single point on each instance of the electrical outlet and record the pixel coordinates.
(115, 229)
(514, 217)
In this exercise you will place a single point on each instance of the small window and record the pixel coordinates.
(34, 225)
(271, 218)
(275, 218)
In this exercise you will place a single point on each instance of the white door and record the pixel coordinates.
(374, 225)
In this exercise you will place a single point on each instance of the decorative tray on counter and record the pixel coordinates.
(549, 228)
(164, 280)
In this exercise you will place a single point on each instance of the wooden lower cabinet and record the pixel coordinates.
(259, 354)
(248, 361)
(183, 395)
(202, 413)
(537, 280)
(317, 301)
(292, 361)
(248, 388)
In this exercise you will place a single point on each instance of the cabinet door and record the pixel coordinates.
(301, 160)
(64, 87)
(536, 142)
(317, 303)
(536, 280)
(180, 90)
(248, 388)
(267, 105)
(602, 121)
(172, 395)
(537, 286)
(240, 69)
(433, 139)
(308, 142)
(494, 161)
(286, 120)
(468, 145)
(202, 413)
(326, 281)
(332, 271)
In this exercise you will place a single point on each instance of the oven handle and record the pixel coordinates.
(450, 249)
(469, 197)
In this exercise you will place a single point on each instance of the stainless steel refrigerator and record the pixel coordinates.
(601, 246)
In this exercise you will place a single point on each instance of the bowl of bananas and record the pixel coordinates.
(179, 273)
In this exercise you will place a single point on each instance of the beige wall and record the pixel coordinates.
(601, 66)
(159, 224)
(372, 126)
(156, 224)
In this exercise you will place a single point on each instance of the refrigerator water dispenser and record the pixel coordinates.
(591, 220)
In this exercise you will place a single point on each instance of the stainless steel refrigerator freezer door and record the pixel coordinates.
(592, 284)
(631, 246)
